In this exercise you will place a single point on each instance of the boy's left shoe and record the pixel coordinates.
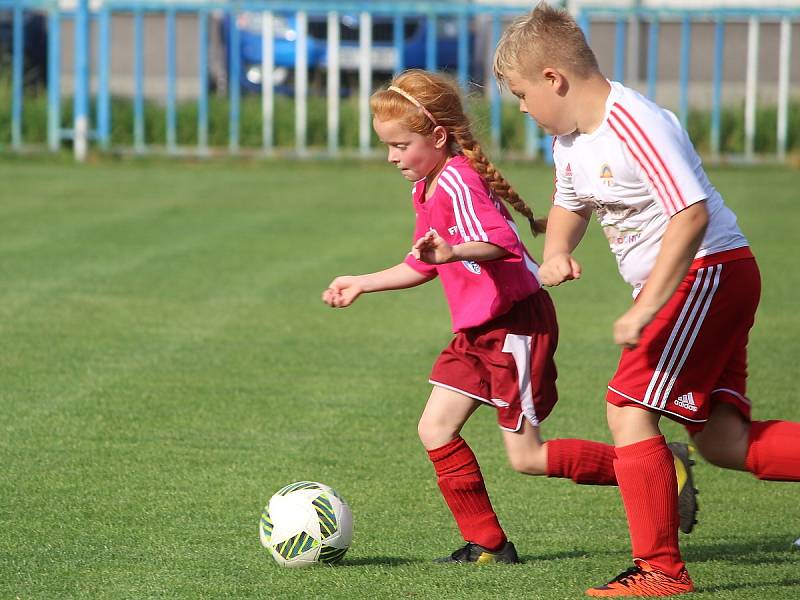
(473, 553)
(687, 493)
(643, 580)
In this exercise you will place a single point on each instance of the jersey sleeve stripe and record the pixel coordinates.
(644, 161)
(456, 210)
(468, 201)
(460, 205)
(662, 167)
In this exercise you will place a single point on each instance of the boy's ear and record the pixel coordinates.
(555, 79)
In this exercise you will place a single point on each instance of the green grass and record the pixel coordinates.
(167, 365)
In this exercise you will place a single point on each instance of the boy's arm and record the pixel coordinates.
(344, 290)
(679, 245)
(565, 229)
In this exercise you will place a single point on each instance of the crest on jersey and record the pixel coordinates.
(472, 266)
(606, 176)
(568, 171)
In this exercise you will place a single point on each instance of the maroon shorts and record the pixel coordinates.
(694, 353)
(507, 362)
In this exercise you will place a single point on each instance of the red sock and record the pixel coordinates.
(774, 450)
(461, 482)
(585, 462)
(649, 489)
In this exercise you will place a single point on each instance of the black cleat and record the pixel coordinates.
(473, 553)
(687, 493)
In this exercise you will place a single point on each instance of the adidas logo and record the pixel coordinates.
(686, 401)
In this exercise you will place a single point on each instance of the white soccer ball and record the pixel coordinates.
(305, 523)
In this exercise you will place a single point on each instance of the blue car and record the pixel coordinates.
(383, 54)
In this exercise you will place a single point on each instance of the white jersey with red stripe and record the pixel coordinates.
(464, 209)
(636, 171)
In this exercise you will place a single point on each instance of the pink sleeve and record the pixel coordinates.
(476, 216)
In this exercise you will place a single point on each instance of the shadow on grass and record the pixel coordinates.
(554, 555)
(765, 550)
(390, 561)
(786, 583)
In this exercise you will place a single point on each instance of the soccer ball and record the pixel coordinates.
(304, 523)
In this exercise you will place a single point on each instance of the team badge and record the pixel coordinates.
(472, 266)
(606, 176)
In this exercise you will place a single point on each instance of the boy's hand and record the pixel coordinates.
(628, 328)
(432, 249)
(558, 269)
(342, 291)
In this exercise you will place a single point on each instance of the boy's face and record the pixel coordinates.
(415, 155)
(542, 98)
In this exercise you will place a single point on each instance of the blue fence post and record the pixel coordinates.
(463, 49)
(171, 75)
(54, 79)
(103, 70)
(620, 39)
(202, 100)
(81, 99)
(398, 37)
(431, 60)
(17, 67)
(716, 103)
(652, 56)
(686, 45)
(138, 76)
(584, 23)
(495, 108)
(233, 83)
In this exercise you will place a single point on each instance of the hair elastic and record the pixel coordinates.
(415, 102)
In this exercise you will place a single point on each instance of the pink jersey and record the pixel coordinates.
(464, 209)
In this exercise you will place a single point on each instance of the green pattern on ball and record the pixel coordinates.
(331, 555)
(266, 524)
(327, 518)
(299, 485)
(296, 545)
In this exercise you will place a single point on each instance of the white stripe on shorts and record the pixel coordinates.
(682, 337)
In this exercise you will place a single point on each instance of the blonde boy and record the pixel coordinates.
(695, 282)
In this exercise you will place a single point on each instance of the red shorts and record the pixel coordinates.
(507, 362)
(694, 353)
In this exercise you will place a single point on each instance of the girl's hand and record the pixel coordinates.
(558, 269)
(342, 291)
(432, 249)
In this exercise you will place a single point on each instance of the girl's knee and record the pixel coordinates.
(530, 462)
(434, 434)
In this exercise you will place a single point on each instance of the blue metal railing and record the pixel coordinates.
(720, 18)
(463, 15)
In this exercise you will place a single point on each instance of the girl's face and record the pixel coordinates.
(416, 155)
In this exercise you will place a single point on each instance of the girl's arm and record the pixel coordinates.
(344, 290)
(434, 250)
(679, 245)
(565, 230)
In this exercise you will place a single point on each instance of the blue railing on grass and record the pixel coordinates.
(83, 132)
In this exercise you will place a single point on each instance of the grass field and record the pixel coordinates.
(167, 365)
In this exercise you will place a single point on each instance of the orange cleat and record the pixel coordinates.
(643, 580)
